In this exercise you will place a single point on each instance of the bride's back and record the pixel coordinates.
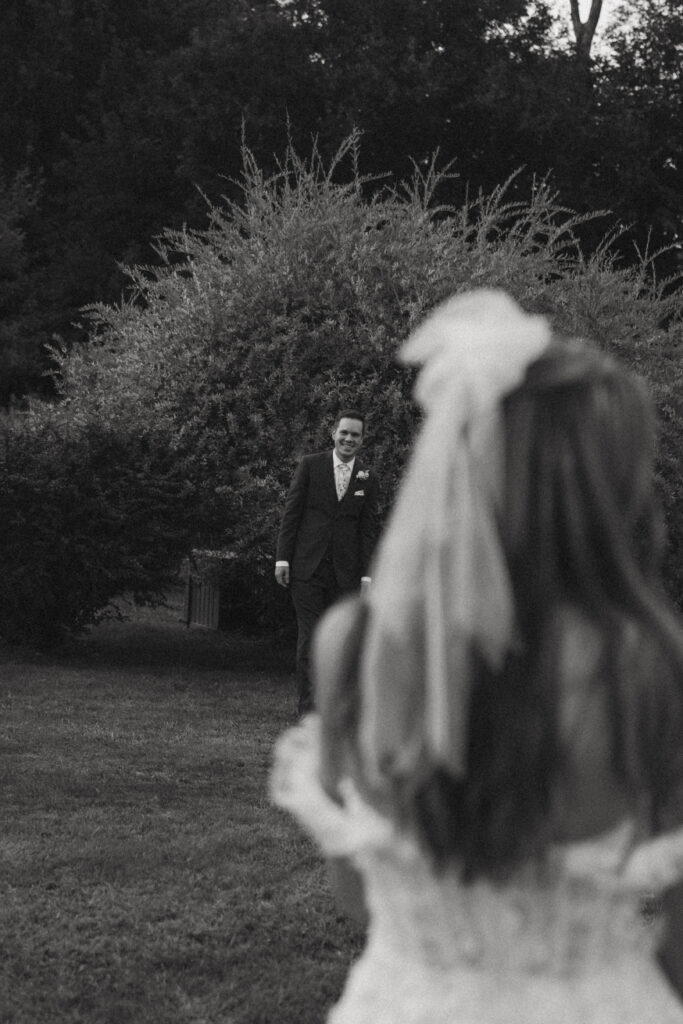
(500, 722)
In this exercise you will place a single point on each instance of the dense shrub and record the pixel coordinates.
(87, 514)
(236, 353)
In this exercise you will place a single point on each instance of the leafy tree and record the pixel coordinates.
(584, 31)
(129, 111)
(18, 198)
(20, 358)
(408, 74)
(125, 108)
(644, 92)
(245, 63)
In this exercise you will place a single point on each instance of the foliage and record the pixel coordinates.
(89, 512)
(645, 86)
(408, 74)
(20, 359)
(125, 108)
(241, 347)
(244, 344)
(179, 424)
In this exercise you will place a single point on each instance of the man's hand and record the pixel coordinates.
(282, 575)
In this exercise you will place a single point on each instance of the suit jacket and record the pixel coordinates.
(315, 521)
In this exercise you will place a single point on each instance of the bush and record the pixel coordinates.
(237, 352)
(88, 514)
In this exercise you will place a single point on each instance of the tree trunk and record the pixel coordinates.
(584, 31)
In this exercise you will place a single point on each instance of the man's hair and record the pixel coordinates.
(350, 414)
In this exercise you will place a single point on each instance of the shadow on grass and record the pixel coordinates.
(158, 638)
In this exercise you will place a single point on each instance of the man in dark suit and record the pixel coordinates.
(327, 534)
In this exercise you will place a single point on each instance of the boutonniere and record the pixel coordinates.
(363, 474)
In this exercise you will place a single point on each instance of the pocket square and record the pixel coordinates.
(359, 494)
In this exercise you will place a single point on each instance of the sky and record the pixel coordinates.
(563, 10)
(584, 6)
(608, 6)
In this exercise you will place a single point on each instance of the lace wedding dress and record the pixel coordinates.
(574, 948)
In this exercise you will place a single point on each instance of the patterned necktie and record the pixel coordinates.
(342, 477)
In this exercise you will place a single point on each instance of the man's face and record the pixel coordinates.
(347, 437)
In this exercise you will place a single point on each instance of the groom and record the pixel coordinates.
(327, 534)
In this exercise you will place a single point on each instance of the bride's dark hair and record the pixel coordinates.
(581, 528)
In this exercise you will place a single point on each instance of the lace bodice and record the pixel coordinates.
(573, 947)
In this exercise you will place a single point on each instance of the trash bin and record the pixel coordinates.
(203, 588)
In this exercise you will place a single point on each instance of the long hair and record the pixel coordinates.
(581, 521)
(580, 527)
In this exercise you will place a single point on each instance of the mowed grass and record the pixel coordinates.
(144, 875)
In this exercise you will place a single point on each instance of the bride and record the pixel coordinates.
(497, 755)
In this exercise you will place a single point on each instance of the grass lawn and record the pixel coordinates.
(144, 876)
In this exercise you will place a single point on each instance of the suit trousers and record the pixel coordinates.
(311, 598)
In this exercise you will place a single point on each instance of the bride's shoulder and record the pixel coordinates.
(342, 823)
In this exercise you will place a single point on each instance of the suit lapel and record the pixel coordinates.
(330, 482)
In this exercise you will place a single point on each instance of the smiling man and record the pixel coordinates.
(327, 534)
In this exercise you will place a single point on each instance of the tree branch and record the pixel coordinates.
(584, 31)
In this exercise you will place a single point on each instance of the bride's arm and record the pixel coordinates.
(347, 886)
(671, 948)
(668, 819)
(335, 657)
(336, 651)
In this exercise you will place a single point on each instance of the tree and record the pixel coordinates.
(584, 31)
(125, 108)
(21, 361)
(643, 92)
(131, 110)
(407, 74)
